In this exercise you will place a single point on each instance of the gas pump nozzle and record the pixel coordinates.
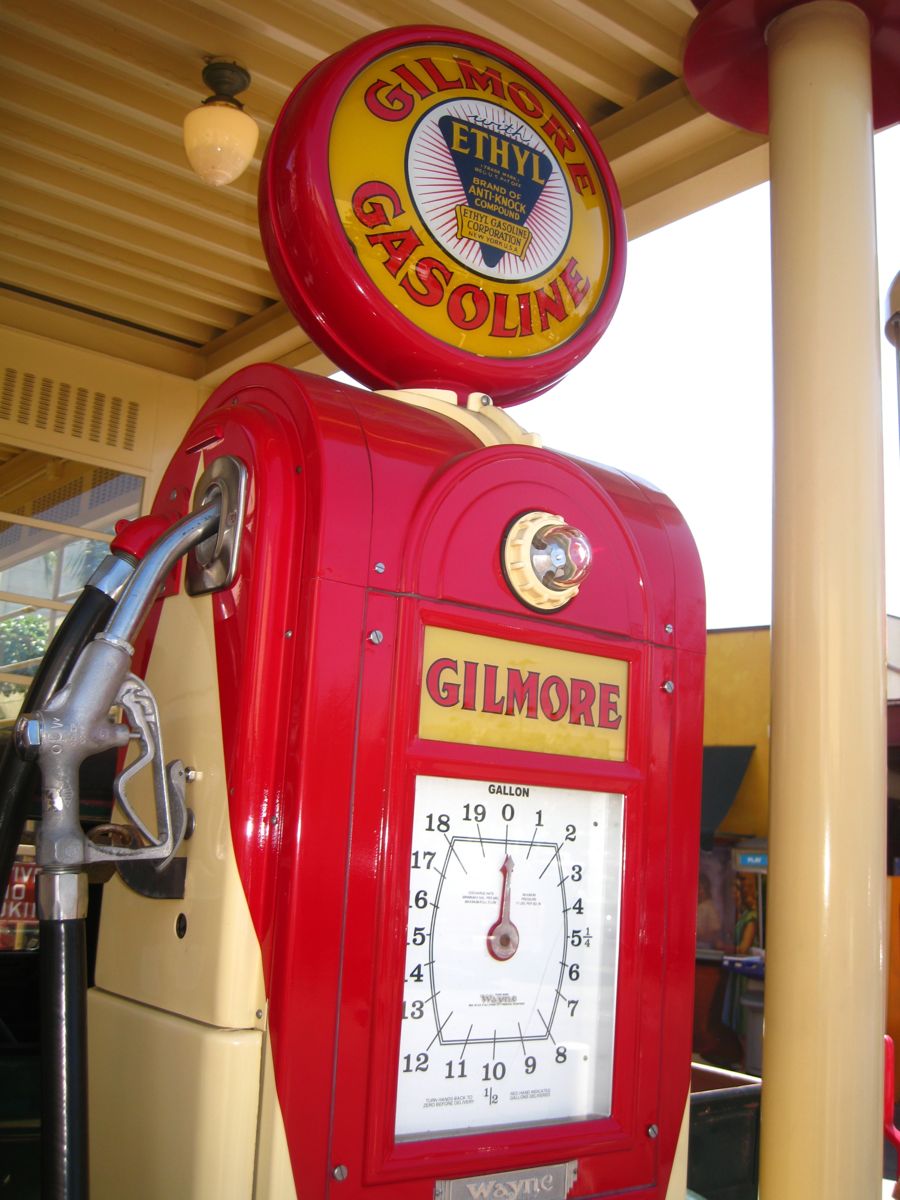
(73, 725)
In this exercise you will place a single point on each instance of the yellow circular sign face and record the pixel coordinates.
(471, 200)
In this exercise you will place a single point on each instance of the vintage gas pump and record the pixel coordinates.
(437, 693)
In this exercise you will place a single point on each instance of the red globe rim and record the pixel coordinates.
(330, 293)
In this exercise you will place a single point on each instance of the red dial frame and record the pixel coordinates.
(619, 1150)
(320, 275)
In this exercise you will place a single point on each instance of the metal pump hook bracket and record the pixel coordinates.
(212, 564)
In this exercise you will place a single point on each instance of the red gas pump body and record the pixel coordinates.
(368, 523)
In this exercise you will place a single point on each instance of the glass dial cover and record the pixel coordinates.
(509, 991)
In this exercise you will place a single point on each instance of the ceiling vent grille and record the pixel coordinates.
(29, 403)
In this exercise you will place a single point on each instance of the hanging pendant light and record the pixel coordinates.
(219, 137)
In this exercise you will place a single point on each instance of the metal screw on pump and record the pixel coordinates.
(28, 737)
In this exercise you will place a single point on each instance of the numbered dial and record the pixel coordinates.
(511, 957)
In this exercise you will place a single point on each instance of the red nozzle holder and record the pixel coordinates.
(136, 537)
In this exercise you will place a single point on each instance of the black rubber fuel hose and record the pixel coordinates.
(64, 1107)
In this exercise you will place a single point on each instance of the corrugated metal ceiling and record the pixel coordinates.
(110, 241)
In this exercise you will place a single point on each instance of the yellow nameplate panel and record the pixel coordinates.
(484, 691)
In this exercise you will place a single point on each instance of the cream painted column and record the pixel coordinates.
(822, 1063)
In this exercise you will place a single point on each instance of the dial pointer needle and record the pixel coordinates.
(503, 937)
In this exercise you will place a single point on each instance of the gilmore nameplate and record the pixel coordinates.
(485, 691)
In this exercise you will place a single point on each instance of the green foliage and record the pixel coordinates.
(22, 637)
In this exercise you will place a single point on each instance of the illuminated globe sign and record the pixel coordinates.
(436, 214)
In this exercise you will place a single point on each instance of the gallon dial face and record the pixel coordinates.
(511, 957)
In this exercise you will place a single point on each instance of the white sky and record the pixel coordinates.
(679, 390)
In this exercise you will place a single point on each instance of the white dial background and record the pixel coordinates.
(487, 1041)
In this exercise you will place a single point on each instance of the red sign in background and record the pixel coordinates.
(18, 914)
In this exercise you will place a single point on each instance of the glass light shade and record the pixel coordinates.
(219, 140)
(560, 556)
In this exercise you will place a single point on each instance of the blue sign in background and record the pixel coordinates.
(752, 860)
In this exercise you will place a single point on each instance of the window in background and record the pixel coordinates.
(57, 517)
